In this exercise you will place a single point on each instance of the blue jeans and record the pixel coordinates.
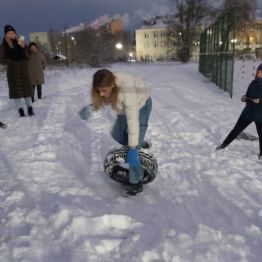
(120, 134)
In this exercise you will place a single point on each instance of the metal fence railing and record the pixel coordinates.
(217, 47)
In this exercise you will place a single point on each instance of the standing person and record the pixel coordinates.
(36, 65)
(15, 56)
(129, 96)
(251, 113)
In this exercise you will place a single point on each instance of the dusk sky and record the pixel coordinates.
(43, 15)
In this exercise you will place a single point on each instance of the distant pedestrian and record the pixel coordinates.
(36, 65)
(15, 56)
(251, 113)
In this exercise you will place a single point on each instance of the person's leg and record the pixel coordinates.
(29, 106)
(33, 90)
(19, 106)
(259, 132)
(119, 131)
(137, 173)
(238, 128)
(144, 115)
(39, 91)
(120, 135)
(28, 101)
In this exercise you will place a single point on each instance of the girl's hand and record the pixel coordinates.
(256, 100)
(21, 41)
(244, 98)
(86, 112)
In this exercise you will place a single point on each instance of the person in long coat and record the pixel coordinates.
(36, 65)
(15, 56)
(251, 113)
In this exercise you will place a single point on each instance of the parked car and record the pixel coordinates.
(247, 56)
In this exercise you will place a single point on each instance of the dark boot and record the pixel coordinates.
(30, 111)
(21, 112)
(134, 189)
(220, 147)
(2, 125)
(146, 145)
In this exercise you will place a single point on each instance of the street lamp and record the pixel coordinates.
(119, 45)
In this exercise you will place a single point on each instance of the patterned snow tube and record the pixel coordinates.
(118, 173)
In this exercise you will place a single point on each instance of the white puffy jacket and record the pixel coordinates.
(132, 97)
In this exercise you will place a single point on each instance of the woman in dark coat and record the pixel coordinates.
(36, 65)
(17, 70)
(251, 113)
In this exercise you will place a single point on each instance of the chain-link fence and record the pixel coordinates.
(217, 47)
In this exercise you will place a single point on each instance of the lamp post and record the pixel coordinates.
(119, 47)
(66, 46)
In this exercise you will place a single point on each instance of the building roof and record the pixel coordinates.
(155, 23)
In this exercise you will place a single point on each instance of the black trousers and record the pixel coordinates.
(239, 127)
(39, 92)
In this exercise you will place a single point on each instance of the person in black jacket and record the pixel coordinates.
(15, 56)
(251, 113)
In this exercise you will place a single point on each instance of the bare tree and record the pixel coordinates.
(94, 47)
(245, 10)
(56, 40)
(185, 25)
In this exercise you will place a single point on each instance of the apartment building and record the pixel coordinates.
(151, 43)
(249, 38)
(41, 38)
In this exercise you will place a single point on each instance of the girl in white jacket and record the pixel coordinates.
(129, 96)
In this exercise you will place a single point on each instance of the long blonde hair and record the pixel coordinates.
(104, 78)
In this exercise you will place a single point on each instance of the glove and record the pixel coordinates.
(86, 112)
(133, 157)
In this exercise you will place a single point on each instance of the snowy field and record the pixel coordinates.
(57, 205)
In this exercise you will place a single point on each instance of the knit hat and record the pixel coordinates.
(9, 28)
(259, 67)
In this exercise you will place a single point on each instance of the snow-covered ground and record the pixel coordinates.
(56, 203)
